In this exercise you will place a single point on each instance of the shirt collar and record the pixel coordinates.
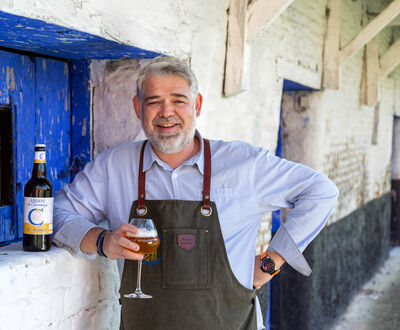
(149, 157)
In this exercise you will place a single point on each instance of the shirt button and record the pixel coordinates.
(174, 175)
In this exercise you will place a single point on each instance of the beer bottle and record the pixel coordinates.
(38, 206)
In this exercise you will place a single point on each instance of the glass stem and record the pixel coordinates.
(139, 276)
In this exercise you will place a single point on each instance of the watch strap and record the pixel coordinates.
(99, 243)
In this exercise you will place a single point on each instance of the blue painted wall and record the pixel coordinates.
(80, 125)
(37, 36)
(38, 90)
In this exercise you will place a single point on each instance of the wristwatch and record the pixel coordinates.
(268, 265)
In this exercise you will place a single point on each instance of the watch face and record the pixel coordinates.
(268, 265)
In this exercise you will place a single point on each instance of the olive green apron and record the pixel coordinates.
(189, 276)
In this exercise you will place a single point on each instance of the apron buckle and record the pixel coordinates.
(141, 211)
(206, 211)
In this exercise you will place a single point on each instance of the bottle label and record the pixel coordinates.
(38, 216)
(40, 157)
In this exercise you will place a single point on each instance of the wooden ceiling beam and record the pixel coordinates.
(369, 84)
(390, 60)
(244, 22)
(236, 42)
(262, 13)
(370, 30)
(330, 76)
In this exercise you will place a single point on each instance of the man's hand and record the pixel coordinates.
(260, 278)
(115, 244)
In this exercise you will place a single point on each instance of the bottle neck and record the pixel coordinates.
(39, 170)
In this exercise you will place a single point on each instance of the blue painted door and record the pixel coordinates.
(38, 91)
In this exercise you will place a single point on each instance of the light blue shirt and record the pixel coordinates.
(246, 182)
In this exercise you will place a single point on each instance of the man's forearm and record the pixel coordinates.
(115, 243)
(88, 244)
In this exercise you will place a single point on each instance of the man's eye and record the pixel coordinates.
(152, 103)
(179, 102)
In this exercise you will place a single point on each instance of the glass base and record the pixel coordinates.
(137, 295)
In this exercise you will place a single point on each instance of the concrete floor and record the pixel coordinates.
(377, 305)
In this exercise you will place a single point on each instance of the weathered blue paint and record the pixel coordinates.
(37, 36)
(5, 224)
(38, 90)
(289, 85)
(80, 107)
(53, 117)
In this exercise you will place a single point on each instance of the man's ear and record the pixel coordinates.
(198, 104)
(136, 105)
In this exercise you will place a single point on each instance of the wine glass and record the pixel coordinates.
(148, 242)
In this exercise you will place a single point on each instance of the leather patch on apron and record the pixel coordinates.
(186, 241)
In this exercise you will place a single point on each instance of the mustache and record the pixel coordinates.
(170, 120)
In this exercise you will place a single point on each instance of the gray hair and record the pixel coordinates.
(165, 66)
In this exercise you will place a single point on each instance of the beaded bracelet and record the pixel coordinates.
(99, 244)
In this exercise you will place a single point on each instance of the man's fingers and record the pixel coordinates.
(126, 243)
(126, 227)
(128, 254)
(116, 245)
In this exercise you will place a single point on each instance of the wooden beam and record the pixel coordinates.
(330, 76)
(262, 13)
(394, 22)
(363, 83)
(372, 72)
(236, 39)
(390, 60)
(370, 31)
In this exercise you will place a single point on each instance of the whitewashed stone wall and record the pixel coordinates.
(53, 290)
(335, 131)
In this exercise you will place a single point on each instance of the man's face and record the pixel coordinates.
(168, 113)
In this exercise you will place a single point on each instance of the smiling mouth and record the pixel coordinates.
(167, 125)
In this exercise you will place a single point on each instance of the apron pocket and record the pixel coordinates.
(186, 259)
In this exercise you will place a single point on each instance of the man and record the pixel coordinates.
(206, 199)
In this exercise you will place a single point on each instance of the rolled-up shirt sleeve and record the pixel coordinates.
(310, 195)
(80, 206)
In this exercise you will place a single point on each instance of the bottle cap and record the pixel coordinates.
(40, 145)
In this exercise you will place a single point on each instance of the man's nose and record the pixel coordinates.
(167, 110)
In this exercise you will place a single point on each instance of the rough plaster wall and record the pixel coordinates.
(113, 119)
(54, 290)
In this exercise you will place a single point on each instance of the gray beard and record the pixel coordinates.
(171, 143)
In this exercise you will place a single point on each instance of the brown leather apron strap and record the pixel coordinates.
(206, 209)
(142, 209)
